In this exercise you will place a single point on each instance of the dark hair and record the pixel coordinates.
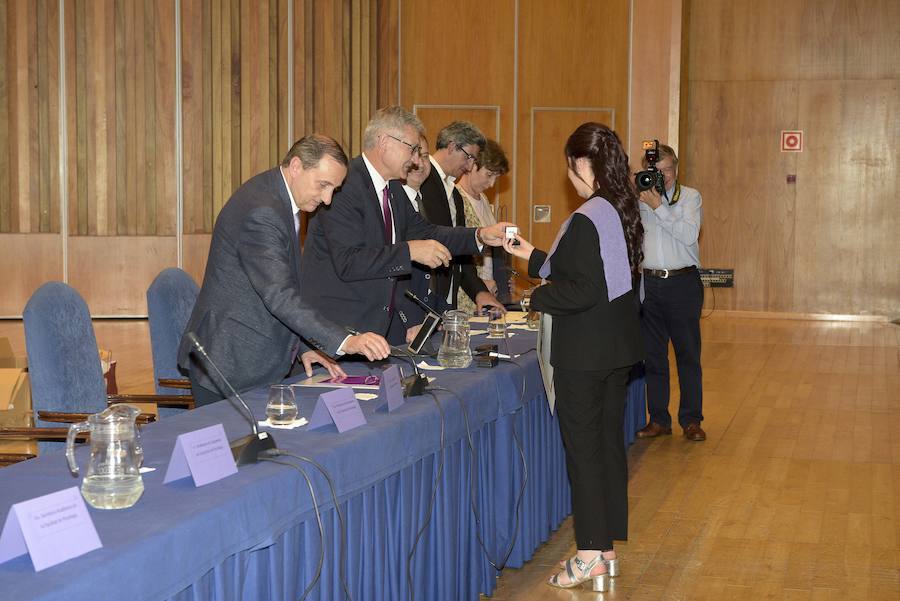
(310, 150)
(461, 133)
(612, 180)
(493, 158)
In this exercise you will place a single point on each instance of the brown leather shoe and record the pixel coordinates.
(652, 430)
(694, 432)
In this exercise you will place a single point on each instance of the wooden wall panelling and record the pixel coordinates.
(847, 244)
(655, 76)
(386, 57)
(548, 182)
(113, 273)
(832, 70)
(458, 62)
(120, 91)
(27, 260)
(29, 108)
(120, 101)
(578, 69)
(749, 202)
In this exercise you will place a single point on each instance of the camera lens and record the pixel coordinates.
(644, 180)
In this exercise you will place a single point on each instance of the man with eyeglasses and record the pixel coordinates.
(456, 148)
(358, 248)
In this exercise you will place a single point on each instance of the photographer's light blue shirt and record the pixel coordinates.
(672, 233)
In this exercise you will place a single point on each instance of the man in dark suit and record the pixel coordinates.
(358, 247)
(457, 147)
(249, 314)
(420, 280)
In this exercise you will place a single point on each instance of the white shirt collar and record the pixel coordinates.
(377, 180)
(294, 207)
(447, 179)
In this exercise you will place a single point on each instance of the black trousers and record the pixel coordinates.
(671, 311)
(590, 406)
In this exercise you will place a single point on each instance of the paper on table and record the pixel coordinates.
(423, 365)
(366, 396)
(295, 424)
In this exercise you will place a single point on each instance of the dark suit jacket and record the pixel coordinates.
(249, 312)
(419, 281)
(349, 272)
(589, 331)
(436, 209)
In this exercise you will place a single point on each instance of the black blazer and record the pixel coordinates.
(589, 331)
(436, 209)
(419, 281)
(250, 312)
(349, 272)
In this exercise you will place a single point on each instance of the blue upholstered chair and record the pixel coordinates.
(64, 366)
(170, 300)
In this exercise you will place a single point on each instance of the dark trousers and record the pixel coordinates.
(204, 396)
(590, 406)
(671, 311)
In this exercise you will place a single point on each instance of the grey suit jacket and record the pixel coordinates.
(250, 314)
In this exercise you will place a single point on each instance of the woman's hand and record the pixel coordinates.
(522, 250)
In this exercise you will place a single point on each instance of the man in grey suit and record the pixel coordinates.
(249, 315)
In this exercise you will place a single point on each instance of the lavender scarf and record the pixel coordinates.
(612, 245)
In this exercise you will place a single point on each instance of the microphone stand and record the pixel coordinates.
(415, 383)
(247, 448)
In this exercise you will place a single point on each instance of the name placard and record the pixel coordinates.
(390, 392)
(203, 454)
(51, 529)
(338, 407)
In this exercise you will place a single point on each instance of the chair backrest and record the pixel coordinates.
(63, 363)
(170, 300)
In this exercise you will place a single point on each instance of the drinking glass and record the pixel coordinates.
(281, 408)
(496, 322)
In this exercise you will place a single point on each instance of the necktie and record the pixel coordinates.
(388, 219)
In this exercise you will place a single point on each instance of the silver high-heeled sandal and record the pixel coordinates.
(579, 572)
(612, 566)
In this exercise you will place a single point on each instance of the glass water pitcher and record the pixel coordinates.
(113, 477)
(455, 351)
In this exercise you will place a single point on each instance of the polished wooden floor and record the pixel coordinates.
(794, 496)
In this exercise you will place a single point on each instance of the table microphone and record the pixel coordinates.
(415, 383)
(245, 449)
(410, 295)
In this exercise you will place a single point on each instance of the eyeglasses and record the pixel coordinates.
(413, 150)
(469, 157)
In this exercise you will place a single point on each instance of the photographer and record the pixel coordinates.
(671, 215)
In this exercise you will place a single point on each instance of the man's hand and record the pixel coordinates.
(493, 235)
(373, 346)
(486, 298)
(651, 198)
(310, 357)
(412, 332)
(429, 252)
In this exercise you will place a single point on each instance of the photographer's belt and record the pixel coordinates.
(668, 273)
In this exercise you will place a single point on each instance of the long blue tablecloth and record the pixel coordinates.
(254, 535)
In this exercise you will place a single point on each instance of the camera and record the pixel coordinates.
(651, 177)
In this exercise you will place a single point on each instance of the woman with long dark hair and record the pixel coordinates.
(591, 294)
